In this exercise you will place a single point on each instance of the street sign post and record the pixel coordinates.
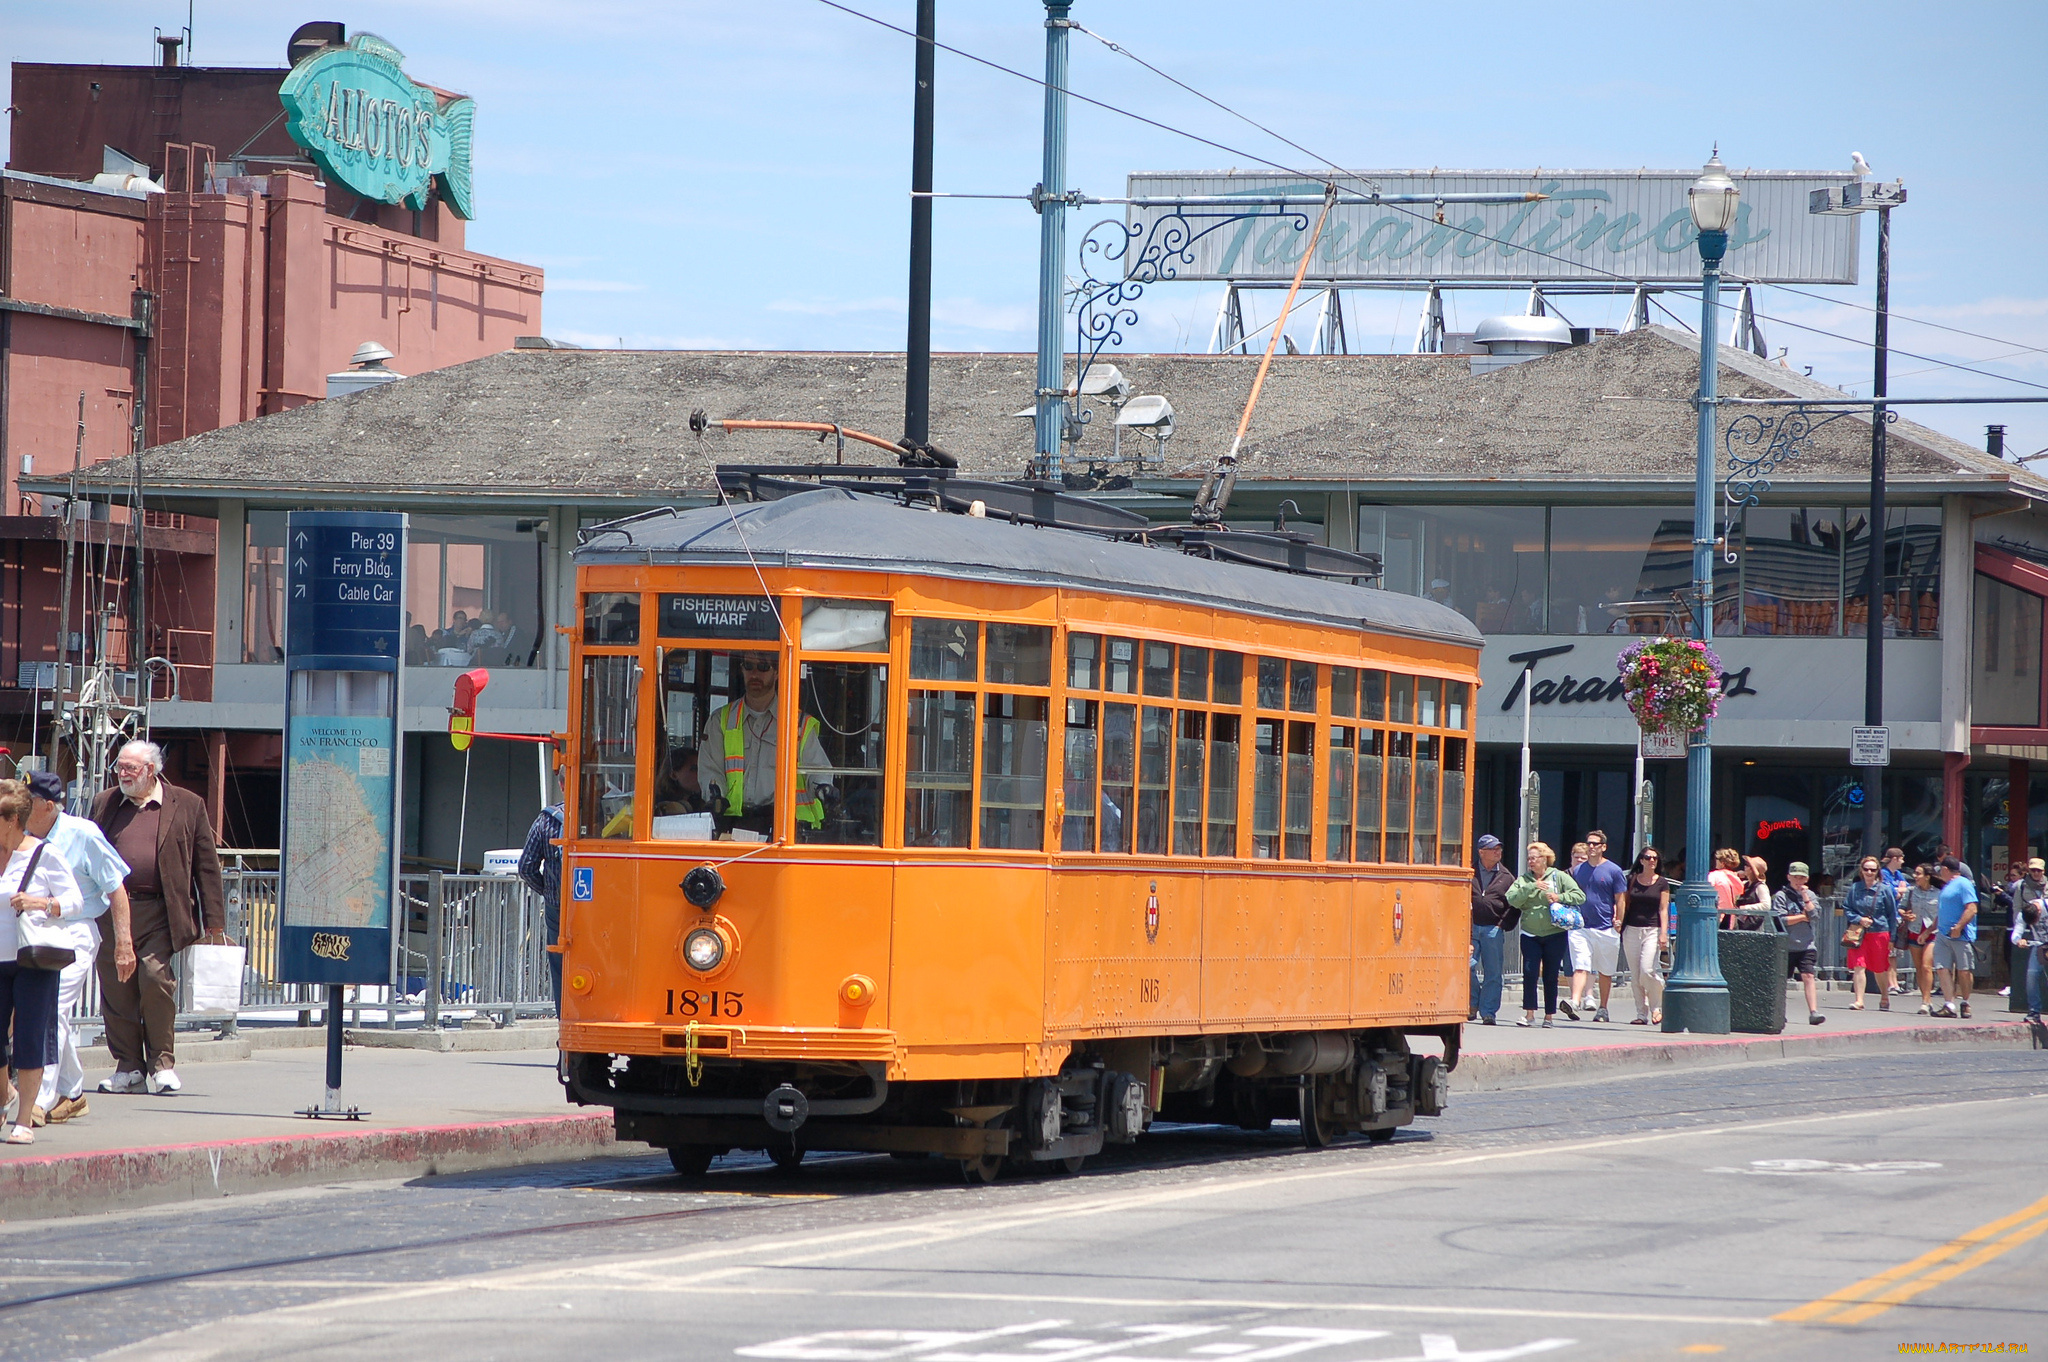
(344, 643)
(1870, 746)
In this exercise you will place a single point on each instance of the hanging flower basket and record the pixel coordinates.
(1670, 683)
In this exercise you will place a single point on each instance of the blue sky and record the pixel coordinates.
(697, 175)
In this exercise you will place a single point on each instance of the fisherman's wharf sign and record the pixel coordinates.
(370, 127)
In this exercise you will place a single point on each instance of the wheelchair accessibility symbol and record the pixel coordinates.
(583, 884)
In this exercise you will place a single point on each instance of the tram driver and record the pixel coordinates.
(736, 759)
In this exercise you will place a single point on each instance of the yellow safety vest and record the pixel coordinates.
(811, 813)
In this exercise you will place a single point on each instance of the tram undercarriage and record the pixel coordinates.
(1334, 1083)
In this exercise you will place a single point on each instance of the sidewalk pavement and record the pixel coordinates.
(234, 1130)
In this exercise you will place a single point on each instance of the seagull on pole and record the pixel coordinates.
(1859, 165)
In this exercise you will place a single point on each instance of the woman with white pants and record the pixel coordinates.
(1644, 934)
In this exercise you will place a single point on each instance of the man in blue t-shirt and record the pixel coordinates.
(1955, 936)
(1596, 947)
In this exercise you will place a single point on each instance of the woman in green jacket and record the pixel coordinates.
(1544, 943)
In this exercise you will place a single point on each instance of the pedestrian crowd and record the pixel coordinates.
(1582, 925)
(144, 863)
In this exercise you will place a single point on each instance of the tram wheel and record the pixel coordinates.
(788, 1160)
(982, 1171)
(691, 1160)
(1380, 1136)
(1316, 1133)
(1074, 1164)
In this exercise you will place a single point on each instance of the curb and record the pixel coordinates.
(1497, 1070)
(128, 1179)
(546, 1037)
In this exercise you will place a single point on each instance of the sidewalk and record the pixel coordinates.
(1509, 1055)
(234, 1128)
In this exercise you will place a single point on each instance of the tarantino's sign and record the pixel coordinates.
(1566, 689)
(369, 126)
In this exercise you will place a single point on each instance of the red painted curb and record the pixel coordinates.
(110, 1179)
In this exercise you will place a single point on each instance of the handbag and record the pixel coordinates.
(1852, 935)
(41, 945)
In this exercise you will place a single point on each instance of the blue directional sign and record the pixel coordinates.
(344, 642)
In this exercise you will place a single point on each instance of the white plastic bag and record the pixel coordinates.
(217, 978)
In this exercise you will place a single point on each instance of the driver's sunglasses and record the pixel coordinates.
(750, 664)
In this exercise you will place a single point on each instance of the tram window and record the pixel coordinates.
(1272, 683)
(943, 650)
(1344, 692)
(1194, 674)
(1019, 654)
(1451, 848)
(1268, 739)
(1223, 734)
(611, 617)
(1427, 748)
(1400, 771)
(1401, 700)
(1077, 770)
(1454, 704)
(1343, 776)
(938, 800)
(1155, 765)
(608, 762)
(1229, 673)
(1371, 756)
(1119, 753)
(695, 683)
(1084, 662)
(1301, 788)
(846, 626)
(1120, 666)
(1158, 669)
(1425, 701)
(848, 699)
(1372, 697)
(1301, 687)
(1187, 780)
(1013, 731)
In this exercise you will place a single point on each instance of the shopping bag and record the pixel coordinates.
(217, 978)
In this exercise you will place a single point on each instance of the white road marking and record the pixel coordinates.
(1123, 1344)
(1785, 1168)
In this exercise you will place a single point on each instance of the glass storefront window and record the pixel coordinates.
(1602, 559)
(1486, 562)
(1792, 571)
(2005, 657)
(1912, 573)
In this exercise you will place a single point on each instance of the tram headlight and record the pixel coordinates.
(704, 949)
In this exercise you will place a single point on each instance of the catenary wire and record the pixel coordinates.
(1327, 181)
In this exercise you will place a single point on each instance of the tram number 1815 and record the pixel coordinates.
(708, 1002)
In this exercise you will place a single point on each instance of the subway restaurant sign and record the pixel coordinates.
(1594, 225)
(366, 124)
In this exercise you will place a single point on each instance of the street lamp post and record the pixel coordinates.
(1696, 998)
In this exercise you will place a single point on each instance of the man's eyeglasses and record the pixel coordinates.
(131, 768)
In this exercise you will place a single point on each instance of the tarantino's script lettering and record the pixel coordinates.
(1570, 690)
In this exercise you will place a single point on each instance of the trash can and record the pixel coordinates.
(1755, 965)
(2017, 1002)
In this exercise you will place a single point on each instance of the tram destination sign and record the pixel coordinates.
(692, 615)
(1604, 226)
(344, 639)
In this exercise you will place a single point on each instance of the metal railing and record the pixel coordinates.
(482, 937)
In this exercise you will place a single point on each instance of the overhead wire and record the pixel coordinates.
(1327, 182)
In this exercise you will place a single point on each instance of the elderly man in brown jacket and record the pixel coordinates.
(175, 899)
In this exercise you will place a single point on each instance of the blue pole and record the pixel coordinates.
(1696, 997)
(1052, 246)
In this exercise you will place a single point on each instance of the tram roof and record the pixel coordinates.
(836, 529)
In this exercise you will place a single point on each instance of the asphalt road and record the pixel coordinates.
(1832, 1208)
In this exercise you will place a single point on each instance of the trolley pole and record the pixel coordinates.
(1052, 248)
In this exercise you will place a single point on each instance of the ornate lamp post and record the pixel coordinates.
(1696, 998)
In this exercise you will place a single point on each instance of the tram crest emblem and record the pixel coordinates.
(1152, 913)
(1398, 916)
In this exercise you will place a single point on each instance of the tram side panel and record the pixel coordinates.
(1123, 951)
(966, 968)
(1275, 952)
(1415, 973)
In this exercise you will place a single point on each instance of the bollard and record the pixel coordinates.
(435, 903)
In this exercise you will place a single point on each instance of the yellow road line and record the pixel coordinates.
(1874, 1295)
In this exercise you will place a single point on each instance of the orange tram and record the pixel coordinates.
(1072, 829)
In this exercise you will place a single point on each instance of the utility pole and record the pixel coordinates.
(1051, 201)
(1874, 574)
(917, 351)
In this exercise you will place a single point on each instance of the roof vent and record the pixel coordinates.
(1514, 339)
(366, 370)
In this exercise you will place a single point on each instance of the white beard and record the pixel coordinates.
(138, 788)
